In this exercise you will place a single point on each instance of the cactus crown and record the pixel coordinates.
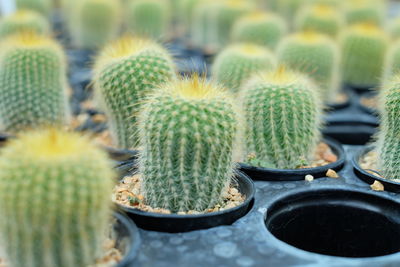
(323, 10)
(368, 29)
(29, 39)
(310, 37)
(250, 50)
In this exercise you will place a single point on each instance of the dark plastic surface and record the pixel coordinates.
(267, 174)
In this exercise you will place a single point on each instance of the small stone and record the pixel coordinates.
(309, 178)
(377, 186)
(98, 118)
(332, 174)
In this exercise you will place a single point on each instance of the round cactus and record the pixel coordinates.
(186, 11)
(236, 63)
(316, 55)
(24, 20)
(149, 18)
(324, 19)
(259, 28)
(94, 22)
(283, 115)
(41, 6)
(188, 132)
(55, 190)
(32, 83)
(365, 11)
(125, 72)
(363, 53)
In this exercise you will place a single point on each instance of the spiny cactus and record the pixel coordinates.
(236, 63)
(283, 114)
(260, 28)
(32, 83)
(125, 72)
(365, 11)
(320, 18)
(392, 62)
(94, 22)
(41, 6)
(188, 133)
(24, 20)
(55, 190)
(363, 52)
(388, 140)
(149, 18)
(313, 54)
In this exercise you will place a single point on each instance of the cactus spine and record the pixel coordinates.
(188, 132)
(315, 55)
(125, 72)
(55, 192)
(259, 28)
(32, 83)
(24, 20)
(364, 47)
(283, 115)
(41, 6)
(236, 63)
(149, 18)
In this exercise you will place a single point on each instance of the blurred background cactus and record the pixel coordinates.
(42, 6)
(24, 20)
(365, 11)
(55, 203)
(188, 132)
(32, 83)
(126, 71)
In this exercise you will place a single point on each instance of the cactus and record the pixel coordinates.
(313, 54)
(94, 22)
(55, 190)
(125, 72)
(149, 18)
(32, 83)
(259, 28)
(363, 52)
(365, 11)
(236, 63)
(392, 62)
(394, 29)
(41, 6)
(283, 115)
(24, 20)
(188, 132)
(186, 10)
(320, 18)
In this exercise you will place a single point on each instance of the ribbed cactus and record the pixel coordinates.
(149, 18)
(236, 63)
(94, 22)
(41, 6)
(32, 83)
(364, 47)
(388, 138)
(365, 11)
(324, 19)
(24, 20)
(260, 28)
(188, 133)
(283, 115)
(55, 190)
(125, 72)
(317, 56)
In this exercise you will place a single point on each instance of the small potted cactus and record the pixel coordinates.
(23, 20)
(186, 177)
(283, 141)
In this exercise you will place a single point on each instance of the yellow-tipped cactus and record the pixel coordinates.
(24, 20)
(41, 6)
(365, 11)
(55, 200)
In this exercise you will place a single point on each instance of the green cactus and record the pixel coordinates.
(186, 12)
(259, 28)
(24, 20)
(125, 73)
(188, 133)
(42, 6)
(392, 62)
(283, 114)
(236, 63)
(394, 29)
(32, 83)
(94, 22)
(149, 18)
(365, 11)
(320, 18)
(317, 56)
(55, 190)
(364, 47)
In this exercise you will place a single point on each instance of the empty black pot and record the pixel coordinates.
(268, 174)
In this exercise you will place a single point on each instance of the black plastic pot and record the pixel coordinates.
(368, 177)
(359, 89)
(127, 239)
(121, 156)
(268, 174)
(339, 106)
(337, 222)
(366, 109)
(174, 223)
